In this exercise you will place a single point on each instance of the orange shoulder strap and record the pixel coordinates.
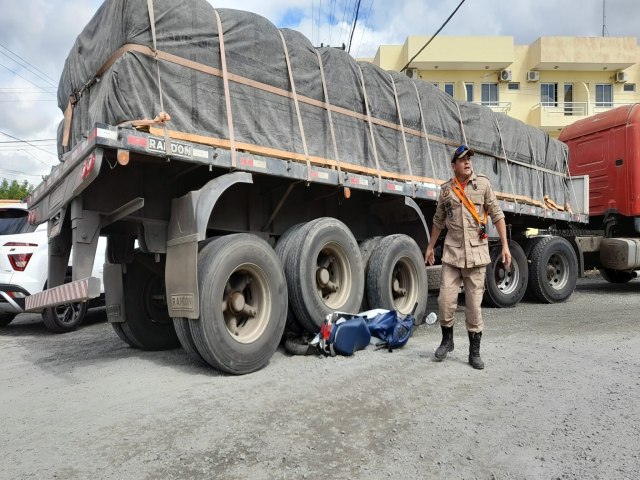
(459, 191)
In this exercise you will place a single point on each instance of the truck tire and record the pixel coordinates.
(366, 249)
(283, 247)
(553, 270)
(147, 325)
(324, 272)
(183, 331)
(117, 327)
(397, 276)
(506, 288)
(243, 303)
(532, 242)
(6, 319)
(615, 276)
(64, 318)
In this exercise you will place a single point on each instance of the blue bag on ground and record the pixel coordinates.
(390, 329)
(349, 336)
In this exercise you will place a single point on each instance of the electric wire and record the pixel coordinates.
(28, 143)
(434, 36)
(332, 11)
(364, 29)
(355, 22)
(31, 66)
(312, 22)
(319, 21)
(27, 67)
(344, 17)
(25, 78)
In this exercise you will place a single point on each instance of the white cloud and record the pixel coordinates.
(43, 31)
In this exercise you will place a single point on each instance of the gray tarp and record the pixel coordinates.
(129, 90)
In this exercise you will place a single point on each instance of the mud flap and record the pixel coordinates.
(114, 292)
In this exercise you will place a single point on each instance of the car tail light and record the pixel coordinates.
(13, 294)
(19, 261)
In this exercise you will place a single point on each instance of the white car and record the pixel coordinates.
(24, 265)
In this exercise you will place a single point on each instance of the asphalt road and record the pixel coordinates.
(558, 399)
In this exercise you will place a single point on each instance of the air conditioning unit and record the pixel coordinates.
(533, 76)
(505, 76)
(621, 77)
(411, 72)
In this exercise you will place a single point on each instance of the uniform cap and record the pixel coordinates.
(462, 151)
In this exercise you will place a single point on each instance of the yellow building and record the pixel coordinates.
(549, 84)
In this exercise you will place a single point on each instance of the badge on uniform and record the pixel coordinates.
(449, 210)
(445, 192)
(482, 232)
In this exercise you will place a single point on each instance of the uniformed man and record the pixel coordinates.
(464, 204)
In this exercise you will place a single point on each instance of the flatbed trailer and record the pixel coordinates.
(217, 252)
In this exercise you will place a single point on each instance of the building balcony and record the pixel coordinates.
(552, 117)
(460, 53)
(594, 54)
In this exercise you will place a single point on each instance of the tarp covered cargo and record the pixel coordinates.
(129, 63)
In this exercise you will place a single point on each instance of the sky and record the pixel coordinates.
(36, 36)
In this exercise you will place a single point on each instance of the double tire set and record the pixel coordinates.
(546, 269)
(250, 293)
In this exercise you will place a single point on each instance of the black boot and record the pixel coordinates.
(446, 345)
(474, 350)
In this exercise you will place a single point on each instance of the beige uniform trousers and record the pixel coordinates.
(473, 281)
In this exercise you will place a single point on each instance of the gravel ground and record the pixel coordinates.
(557, 399)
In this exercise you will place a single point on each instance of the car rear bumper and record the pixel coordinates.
(8, 302)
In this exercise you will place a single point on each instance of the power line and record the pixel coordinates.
(16, 172)
(28, 143)
(355, 22)
(332, 11)
(29, 66)
(434, 36)
(25, 90)
(32, 83)
(31, 141)
(366, 21)
(35, 158)
(18, 100)
(319, 20)
(344, 16)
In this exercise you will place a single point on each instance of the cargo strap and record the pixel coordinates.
(152, 22)
(464, 135)
(424, 130)
(328, 107)
(227, 93)
(404, 137)
(504, 153)
(297, 105)
(369, 122)
(459, 191)
(533, 157)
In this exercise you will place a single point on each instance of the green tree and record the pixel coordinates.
(14, 190)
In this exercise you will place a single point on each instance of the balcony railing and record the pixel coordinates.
(502, 107)
(555, 116)
(573, 109)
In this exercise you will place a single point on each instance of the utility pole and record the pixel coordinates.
(604, 18)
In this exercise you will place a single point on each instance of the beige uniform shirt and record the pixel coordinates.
(463, 247)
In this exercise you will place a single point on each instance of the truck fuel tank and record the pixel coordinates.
(620, 253)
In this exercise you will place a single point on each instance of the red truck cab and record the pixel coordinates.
(606, 147)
